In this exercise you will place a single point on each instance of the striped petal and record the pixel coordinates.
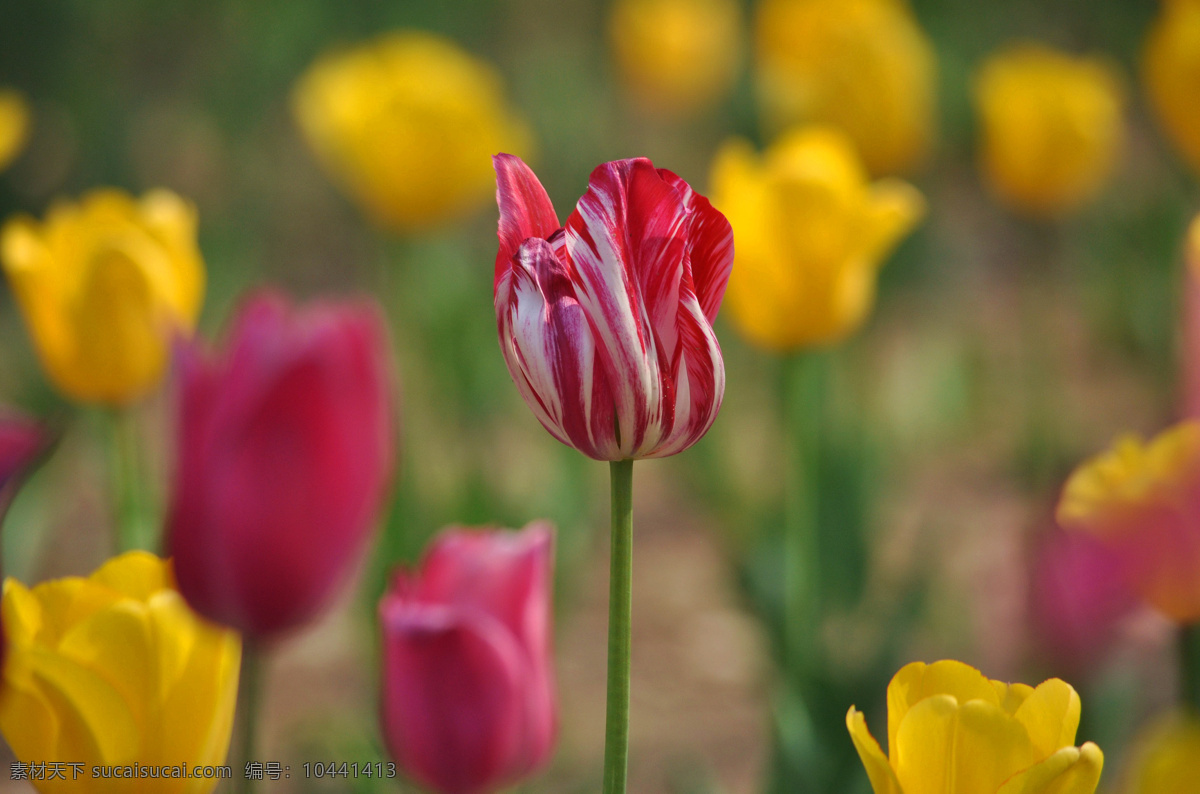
(525, 209)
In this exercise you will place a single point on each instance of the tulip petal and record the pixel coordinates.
(1071, 770)
(451, 699)
(94, 721)
(137, 574)
(879, 771)
(894, 208)
(548, 344)
(917, 681)
(709, 246)
(525, 209)
(944, 747)
(1051, 716)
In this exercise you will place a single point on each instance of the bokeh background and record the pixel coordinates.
(1000, 353)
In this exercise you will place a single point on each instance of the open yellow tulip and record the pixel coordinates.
(953, 731)
(103, 285)
(811, 233)
(113, 671)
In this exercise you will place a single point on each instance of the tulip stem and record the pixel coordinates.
(126, 481)
(620, 600)
(249, 699)
(802, 393)
(1189, 665)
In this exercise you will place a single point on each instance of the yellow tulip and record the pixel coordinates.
(14, 125)
(676, 56)
(952, 730)
(811, 233)
(407, 125)
(1052, 128)
(862, 65)
(104, 284)
(116, 670)
(1143, 501)
(1167, 757)
(1171, 70)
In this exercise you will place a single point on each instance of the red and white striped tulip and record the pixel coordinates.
(606, 322)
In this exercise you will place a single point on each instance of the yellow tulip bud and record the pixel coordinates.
(1166, 756)
(951, 729)
(116, 670)
(104, 285)
(407, 125)
(14, 125)
(810, 232)
(1171, 70)
(676, 56)
(862, 65)
(1052, 127)
(1142, 499)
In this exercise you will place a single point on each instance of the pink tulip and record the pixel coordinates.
(606, 323)
(1079, 595)
(21, 440)
(285, 450)
(468, 686)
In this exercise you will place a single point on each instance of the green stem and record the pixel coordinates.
(249, 699)
(126, 480)
(620, 599)
(1189, 665)
(802, 393)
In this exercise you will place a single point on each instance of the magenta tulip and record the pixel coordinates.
(285, 449)
(606, 323)
(468, 685)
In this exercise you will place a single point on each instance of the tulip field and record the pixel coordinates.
(647, 396)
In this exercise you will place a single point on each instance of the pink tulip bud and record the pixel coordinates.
(285, 450)
(606, 323)
(468, 685)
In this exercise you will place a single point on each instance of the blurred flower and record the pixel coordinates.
(606, 323)
(1078, 597)
(285, 450)
(14, 125)
(104, 284)
(950, 729)
(1052, 127)
(862, 65)
(116, 670)
(21, 440)
(1167, 757)
(405, 124)
(677, 56)
(1171, 69)
(1142, 500)
(468, 683)
(811, 234)
(1191, 321)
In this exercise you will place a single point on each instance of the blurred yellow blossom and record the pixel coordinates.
(677, 56)
(115, 670)
(104, 284)
(1171, 69)
(862, 65)
(811, 232)
(1052, 127)
(951, 729)
(1143, 500)
(14, 125)
(407, 125)
(1167, 757)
